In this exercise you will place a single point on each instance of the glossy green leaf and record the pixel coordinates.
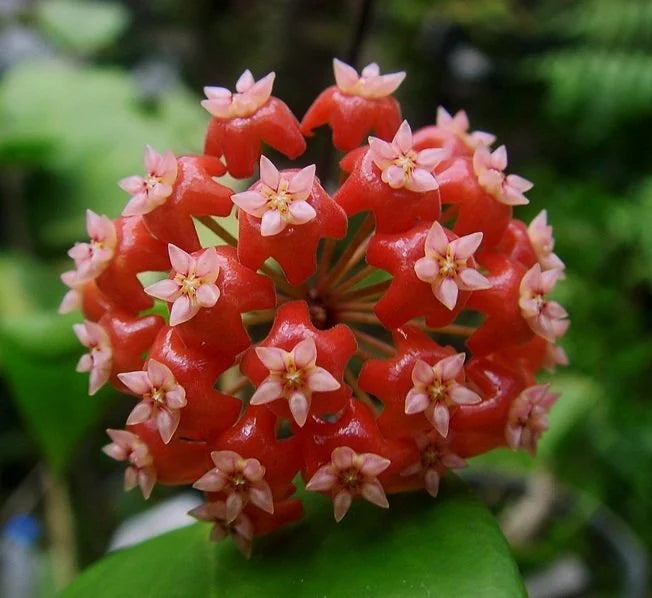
(419, 547)
(38, 354)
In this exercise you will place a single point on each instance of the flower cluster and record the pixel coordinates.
(332, 338)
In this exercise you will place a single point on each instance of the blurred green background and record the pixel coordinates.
(567, 86)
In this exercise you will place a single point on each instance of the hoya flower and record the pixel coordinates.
(280, 200)
(92, 258)
(152, 190)
(401, 165)
(163, 397)
(192, 286)
(545, 318)
(241, 529)
(436, 389)
(436, 458)
(458, 125)
(369, 83)
(249, 97)
(242, 480)
(543, 243)
(446, 265)
(127, 446)
(554, 356)
(348, 475)
(72, 300)
(489, 167)
(293, 376)
(528, 417)
(99, 359)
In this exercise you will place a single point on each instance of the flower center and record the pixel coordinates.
(151, 182)
(350, 478)
(438, 391)
(188, 284)
(280, 199)
(407, 162)
(158, 396)
(429, 456)
(447, 266)
(293, 378)
(238, 482)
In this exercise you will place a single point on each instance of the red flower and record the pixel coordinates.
(242, 121)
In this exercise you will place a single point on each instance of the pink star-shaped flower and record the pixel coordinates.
(242, 480)
(545, 318)
(528, 417)
(401, 166)
(348, 475)
(458, 125)
(369, 84)
(150, 192)
(489, 169)
(91, 259)
(127, 446)
(436, 389)
(163, 397)
(293, 376)
(281, 200)
(435, 459)
(241, 529)
(543, 243)
(99, 360)
(446, 265)
(192, 286)
(249, 97)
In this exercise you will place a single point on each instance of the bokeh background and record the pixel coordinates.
(566, 85)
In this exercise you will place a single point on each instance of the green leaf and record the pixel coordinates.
(38, 354)
(419, 547)
(84, 27)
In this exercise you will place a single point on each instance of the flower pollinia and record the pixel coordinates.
(332, 336)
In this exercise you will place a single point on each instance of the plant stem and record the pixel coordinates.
(366, 226)
(374, 342)
(237, 386)
(351, 380)
(280, 282)
(354, 306)
(369, 291)
(357, 277)
(259, 317)
(452, 329)
(359, 317)
(219, 230)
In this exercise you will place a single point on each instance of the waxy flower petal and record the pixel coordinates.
(543, 243)
(193, 285)
(369, 84)
(249, 97)
(152, 190)
(240, 479)
(436, 389)
(99, 360)
(446, 265)
(241, 528)
(401, 166)
(546, 318)
(528, 417)
(348, 475)
(458, 125)
(91, 259)
(280, 201)
(127, 446)
(489, 169)
(163, 397)
(293, 376)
